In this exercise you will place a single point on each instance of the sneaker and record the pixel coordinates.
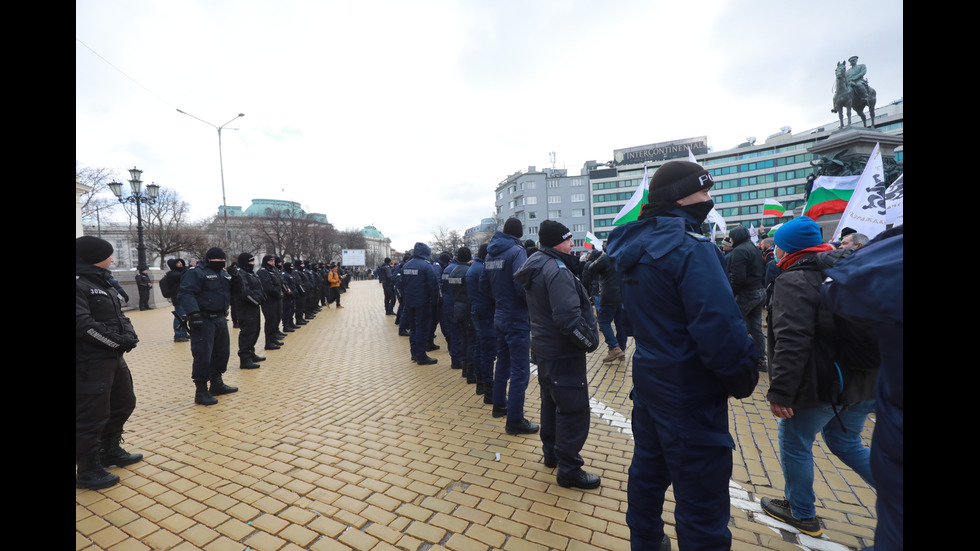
(779, 509)
(521, 427)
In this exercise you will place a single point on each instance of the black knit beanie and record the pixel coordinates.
(553, 233)
(91, 249)
(676, 180)
(514, 227)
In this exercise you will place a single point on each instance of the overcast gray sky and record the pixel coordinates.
(406, 115)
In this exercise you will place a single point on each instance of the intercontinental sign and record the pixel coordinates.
(661, 151)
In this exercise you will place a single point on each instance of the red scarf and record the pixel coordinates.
(792, 258)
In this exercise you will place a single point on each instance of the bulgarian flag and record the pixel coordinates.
(773, 208)
(592, 242)
(631, 210)
(830, 194)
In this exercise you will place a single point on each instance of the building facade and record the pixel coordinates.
(533, 196)
(745, 176)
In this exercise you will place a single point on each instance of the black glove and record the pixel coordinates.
(195, 322)
(128, 342)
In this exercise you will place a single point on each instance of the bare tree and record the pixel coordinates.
(446, 240)
(98, 198)
(166, 230)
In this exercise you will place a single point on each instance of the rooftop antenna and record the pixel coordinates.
(551, 155)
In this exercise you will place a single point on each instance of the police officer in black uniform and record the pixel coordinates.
(271, 281)
(104, 397)
(205, 294)
(247, 286)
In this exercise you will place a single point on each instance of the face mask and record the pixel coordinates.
(699, 210)
(216, 265)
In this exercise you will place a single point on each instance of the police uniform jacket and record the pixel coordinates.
(691, 343)
(101, 329)
(505, 255)
(418, 282)
(562, 322)
(205, 290)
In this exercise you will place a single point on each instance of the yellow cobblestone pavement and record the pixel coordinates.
(340, 442)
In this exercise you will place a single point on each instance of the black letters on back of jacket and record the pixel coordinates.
(101, 329)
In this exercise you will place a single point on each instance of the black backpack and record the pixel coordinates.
(167, 288)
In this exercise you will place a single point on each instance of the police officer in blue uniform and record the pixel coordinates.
(481, 310)
(505, 255)
(692, 353)
(420, 291)
(205, 294)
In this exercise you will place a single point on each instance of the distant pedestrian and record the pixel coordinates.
(143, 285)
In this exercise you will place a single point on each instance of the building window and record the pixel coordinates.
(578, 181)
(579, 227)
(552, 199)
(578, 197)
(578, 242)
(553, 214)
(531, 230)
(532, 200)
(554, 183)
(532, 215)
(579, 212)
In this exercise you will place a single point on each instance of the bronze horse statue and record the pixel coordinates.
(846, 97)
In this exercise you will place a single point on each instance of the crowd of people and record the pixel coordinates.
(696, 313)
(832, 346)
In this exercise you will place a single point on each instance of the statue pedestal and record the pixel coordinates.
(857, 141)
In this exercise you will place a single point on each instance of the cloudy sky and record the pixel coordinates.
(407, 114)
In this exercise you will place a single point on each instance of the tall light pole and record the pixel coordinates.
(137, 196)
(221, 164)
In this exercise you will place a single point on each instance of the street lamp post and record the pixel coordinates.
(221, 164)
(138, 197)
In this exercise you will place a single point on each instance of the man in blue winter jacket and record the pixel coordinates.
(692, 353)
(506, 255)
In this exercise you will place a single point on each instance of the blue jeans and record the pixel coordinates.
(796, 436)
(607, 316)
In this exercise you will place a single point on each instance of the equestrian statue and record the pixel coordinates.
(852, 91)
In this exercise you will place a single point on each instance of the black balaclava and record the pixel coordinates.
(211, 257)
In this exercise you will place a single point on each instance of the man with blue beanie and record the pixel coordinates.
(804, 345)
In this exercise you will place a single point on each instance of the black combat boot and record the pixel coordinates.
(202, 396)
(90, 474)
(218, 387)
(113, 454)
